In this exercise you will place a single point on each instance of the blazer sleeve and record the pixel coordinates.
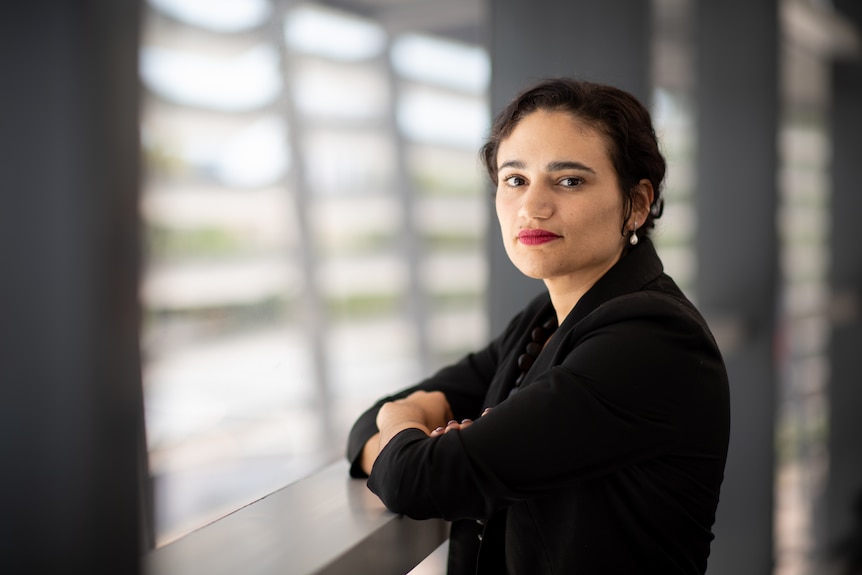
(464, 383)
(639, 378)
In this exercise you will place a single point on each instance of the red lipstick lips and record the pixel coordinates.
(536, 237)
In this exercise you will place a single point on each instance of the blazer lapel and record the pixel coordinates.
(634, 271)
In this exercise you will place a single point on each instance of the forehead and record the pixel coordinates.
(557, 134)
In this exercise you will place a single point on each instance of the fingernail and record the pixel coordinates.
(452, 422)
(439, 429)
(463, 421)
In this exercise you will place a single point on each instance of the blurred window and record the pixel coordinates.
(802, 418)
(315, 221)
(674, 79)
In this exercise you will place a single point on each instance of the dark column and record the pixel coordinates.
(600, 40)
(70, 398)
(737, 117)
(844, 483)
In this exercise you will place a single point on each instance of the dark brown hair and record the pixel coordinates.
(619, 116)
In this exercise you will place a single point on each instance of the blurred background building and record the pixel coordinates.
(232, 225)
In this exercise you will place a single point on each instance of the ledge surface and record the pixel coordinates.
(326, 523)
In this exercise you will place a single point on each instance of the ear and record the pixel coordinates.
(641, 202)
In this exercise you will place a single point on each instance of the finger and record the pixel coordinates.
(451, 425)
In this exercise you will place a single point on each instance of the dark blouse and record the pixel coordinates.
(608, 459)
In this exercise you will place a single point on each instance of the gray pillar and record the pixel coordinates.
(844, 483)
(599, 40)
(71, 413)
(737, 118)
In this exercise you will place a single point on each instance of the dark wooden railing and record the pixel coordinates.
(326, 524)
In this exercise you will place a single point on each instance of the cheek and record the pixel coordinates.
(502, 209)
(598, 223)
(611, 212)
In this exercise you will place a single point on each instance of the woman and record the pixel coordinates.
(594, 447)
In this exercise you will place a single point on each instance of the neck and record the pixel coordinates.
(567, 291)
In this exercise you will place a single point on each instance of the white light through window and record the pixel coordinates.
(257, 156)
(244, 82)
(218, 15)
(333, 34)
(441, 62)
(428, 115)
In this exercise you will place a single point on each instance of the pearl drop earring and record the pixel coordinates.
(633, 240)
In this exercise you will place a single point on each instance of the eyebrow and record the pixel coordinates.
(555, 166)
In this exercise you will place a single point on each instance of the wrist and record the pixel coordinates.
(395, 417)
(369, 453)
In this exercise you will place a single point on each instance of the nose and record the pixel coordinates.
(536, 203)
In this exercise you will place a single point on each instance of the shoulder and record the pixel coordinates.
(657, 314)
(645, 340)
(659, 300)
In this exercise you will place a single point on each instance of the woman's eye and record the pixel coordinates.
(514, 181)
(572, 182)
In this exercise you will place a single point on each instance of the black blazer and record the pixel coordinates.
(609, 457)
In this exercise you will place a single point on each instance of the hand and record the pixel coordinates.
(434, 405)
(453, 425)
(423, 410)
(428, 409)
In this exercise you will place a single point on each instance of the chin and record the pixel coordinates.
(532, 273)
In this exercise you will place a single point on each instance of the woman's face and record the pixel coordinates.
(558, 200)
